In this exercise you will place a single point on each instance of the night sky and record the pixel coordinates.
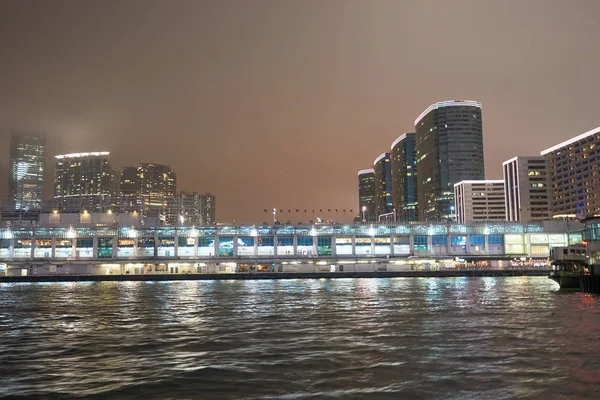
(279, 103)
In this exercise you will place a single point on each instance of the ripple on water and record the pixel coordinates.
(457, 338)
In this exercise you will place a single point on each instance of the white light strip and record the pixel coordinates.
(379, 158)
(78, 155)
(484, 181)
(511, 160)
(448, 103)
(570, 141)
(401, 138)
(366, 171)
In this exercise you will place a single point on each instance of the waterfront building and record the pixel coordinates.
(449, 149)
(129, 188)
(158, 191)
(26, 171)
(404, 177)
(208, 209)
(383, 185)
(479, 201)
(83, 181)
(526, 187)
(100, 246)
(574, 169)
(366, 194)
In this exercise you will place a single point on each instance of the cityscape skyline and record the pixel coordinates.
(90, 90)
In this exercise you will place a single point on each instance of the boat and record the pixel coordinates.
(568, 265)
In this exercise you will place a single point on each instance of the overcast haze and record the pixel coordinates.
(279, 103)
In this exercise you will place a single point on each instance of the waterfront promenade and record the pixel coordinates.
(466, 272)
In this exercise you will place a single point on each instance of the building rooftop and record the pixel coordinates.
(570, 141)
(447, 103)
(79, 155)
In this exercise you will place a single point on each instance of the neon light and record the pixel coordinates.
(78, 155)
(366, 171)
(448, 103)
(379, 158)
(572, 140)
(400, 138)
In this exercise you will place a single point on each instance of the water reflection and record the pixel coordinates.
(483, 338)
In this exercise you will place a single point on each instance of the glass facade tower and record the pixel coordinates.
(404, 178)
(449, 149)
(26, 171)
(366, 194)
(383, 184)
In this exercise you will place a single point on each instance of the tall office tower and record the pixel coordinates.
(26, 171)
(449, 144)
(83, 181)
(208, 209)
(158, 191)
(404, 178)
(129, 187)
(366, 194)
(190, 208)
(574, 169)
(526, 187)
(479, 201)
(383, 184)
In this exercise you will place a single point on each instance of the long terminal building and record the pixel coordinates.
(131, 249)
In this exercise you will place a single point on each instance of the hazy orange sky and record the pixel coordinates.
(279, 103)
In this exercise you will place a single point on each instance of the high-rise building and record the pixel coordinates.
(190, 208)
(404, 178)
(449, 147)
(158, 191)
(574, 169)
(526, 187)
(83, 181)
(479, 201)
(26, 171)
(208, 209)
(129, 187)
(366, 194)
(383, 184)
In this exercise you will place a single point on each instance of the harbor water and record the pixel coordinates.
(394, 338)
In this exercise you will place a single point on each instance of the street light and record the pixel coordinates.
(274, 216)
(364, 210)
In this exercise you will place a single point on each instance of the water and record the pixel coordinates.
(459, 338)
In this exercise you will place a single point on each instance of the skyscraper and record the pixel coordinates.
(404, 177)
(26, 171)
(449, 147)
(526, 187)
(366, 194)
(158, 190)
(208, 209)
(83, 181)
(383, 184)
(574, 168)
(129, 187)
(190, 208)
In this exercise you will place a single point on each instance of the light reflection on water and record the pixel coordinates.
(477, 338)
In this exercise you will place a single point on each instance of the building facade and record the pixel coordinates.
(366, 194)
(190, 208)
(574, 169)
(83, 181)
(26, 172)
(526, 188)
(404, 178)
(209, 209)
(383, 185)
(158, 191)
(129, 187)
(479, 201)
(449, 149)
